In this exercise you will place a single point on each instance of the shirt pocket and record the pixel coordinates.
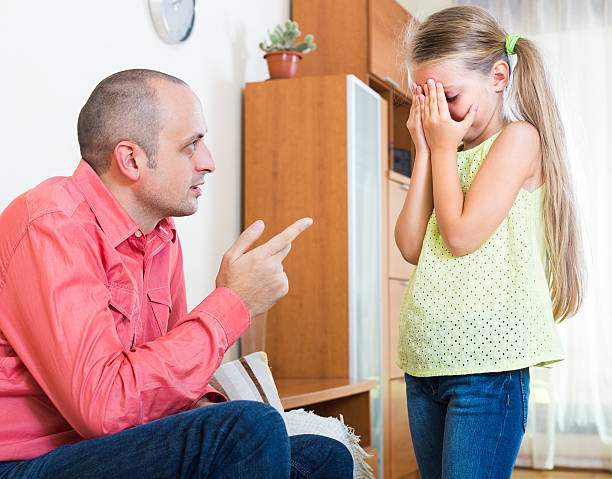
(122, 306)
(161, 304)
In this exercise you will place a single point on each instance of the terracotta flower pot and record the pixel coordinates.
(282, 64)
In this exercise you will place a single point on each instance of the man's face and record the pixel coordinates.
(182, 160)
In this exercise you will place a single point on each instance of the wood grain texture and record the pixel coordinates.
(399, 268)
(355, 410)
(340, 29)
(401, 112)
(403, 461)
(295, 166)
(296, 393)
(387, 23)
(396, 295)
(386, 92)
(385, 386)
(398, 177)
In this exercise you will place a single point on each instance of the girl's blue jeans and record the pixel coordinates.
(233, 440)
(467, 426)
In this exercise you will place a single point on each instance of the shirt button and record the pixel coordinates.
(138, 234)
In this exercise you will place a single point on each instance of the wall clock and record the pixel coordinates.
(173, 19)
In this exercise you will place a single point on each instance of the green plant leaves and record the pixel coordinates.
(283, 36)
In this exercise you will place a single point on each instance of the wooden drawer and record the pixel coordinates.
(399, 268)
(396, 295)
(388, 20)
(403, 461)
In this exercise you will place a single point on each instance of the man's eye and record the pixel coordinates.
(450, 99)
(191, 147)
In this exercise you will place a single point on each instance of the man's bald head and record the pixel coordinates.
(123, 106)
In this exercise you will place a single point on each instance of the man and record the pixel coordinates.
(101, 364)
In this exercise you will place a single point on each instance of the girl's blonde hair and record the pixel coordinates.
(473, 37)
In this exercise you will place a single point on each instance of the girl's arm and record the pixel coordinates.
(467, 222)
(412, 220)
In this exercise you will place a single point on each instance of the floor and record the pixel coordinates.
(563, 474)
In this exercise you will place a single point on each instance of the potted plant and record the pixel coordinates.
(281, 54)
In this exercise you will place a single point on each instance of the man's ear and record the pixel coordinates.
(500, 74)
(130, 159)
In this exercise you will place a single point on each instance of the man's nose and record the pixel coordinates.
(204, 160)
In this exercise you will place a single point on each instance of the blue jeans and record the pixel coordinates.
(467, 426)
(237, 439)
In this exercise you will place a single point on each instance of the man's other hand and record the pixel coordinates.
(258, 275)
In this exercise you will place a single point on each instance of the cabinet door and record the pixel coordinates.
(403, 461)
(364, 240)
(396, 295)
(399, 268)
(387, 22)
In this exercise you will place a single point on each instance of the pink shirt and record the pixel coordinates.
(95, 336)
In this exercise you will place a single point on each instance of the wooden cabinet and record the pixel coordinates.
(387, 21)
(320, 394)
(360, 37)
(307, 153)
(316, 146)
(396, 295)
(398, 267)
(403, 462)
(340, 29)
(400, 461)
(330, 397)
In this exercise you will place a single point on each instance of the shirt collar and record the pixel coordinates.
(112, 217)
(166, 230)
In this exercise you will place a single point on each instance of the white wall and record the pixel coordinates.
(421, 9)
(52, 56)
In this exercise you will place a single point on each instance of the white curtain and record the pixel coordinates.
(570, 409)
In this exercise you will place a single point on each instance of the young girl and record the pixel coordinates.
(490, 223)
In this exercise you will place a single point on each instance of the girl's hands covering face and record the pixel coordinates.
(441, 131)
(415, 123)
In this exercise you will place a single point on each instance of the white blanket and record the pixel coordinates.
(250, 378)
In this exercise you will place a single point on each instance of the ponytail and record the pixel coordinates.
(530, 98)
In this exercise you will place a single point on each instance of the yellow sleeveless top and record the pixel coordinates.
(489, 310)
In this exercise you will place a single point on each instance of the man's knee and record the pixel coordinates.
(339, 455)
(321, 455)
(253, 418)
(265, 417)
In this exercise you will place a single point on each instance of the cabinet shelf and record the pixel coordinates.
(300, 392)
(398, 177)
(332, 397)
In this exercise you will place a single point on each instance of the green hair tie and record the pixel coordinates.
(511, 40)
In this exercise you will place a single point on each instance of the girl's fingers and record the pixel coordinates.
(421, 98)
(442, 105)
(425, 103)
(433, 98)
